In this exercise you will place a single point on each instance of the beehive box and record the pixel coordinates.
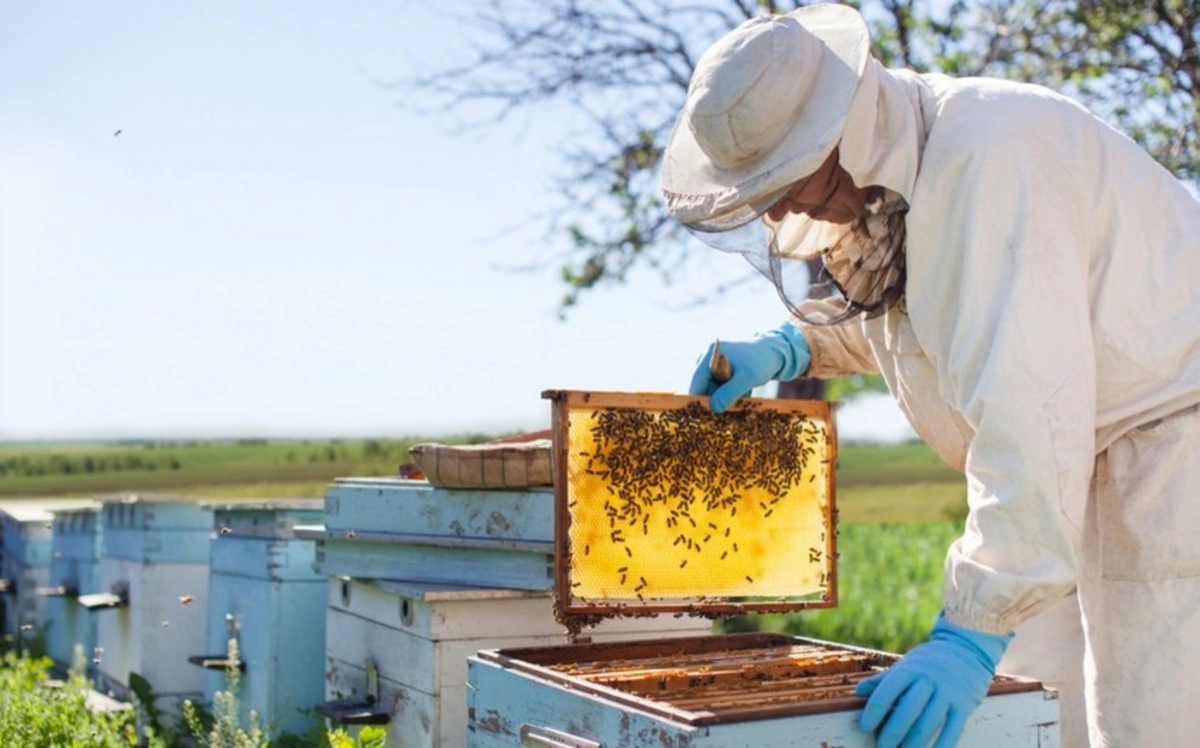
(664, 506)
(396, 651)
(394, 528)
(25, 555)
(152, 607)
(264, 593)
(756, 690)
(74, 571)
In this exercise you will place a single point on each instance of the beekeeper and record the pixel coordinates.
(1027, 281)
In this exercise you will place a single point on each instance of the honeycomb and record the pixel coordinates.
(669, 503)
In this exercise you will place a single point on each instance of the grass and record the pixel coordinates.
(902, 502)
(889, 588)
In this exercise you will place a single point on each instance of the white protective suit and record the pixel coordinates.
(1049, 346)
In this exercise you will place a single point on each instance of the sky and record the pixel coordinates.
(219, 220)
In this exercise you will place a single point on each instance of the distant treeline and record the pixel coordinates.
(29, 466)
(151, 456)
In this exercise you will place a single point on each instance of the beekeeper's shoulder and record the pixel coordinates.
(977, 126)
(989, 118)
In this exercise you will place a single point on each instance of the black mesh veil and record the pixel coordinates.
(861, 265)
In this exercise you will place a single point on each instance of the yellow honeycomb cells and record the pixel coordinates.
(645, 529)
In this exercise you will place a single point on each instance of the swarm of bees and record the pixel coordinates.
(688, 462)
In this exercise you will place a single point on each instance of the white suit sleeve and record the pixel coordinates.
(998, 296)
(836, 350)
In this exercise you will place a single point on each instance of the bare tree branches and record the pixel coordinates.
(624, 67)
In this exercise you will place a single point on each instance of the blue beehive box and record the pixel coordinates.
(421, 577)
(392, 528)
(74, 571)
(152, 607)
(264, 593)
(762, 690)
(25, 554)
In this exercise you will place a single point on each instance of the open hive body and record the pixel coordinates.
(750, 507)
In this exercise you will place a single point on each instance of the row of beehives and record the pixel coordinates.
(359, 608)
(157, 585)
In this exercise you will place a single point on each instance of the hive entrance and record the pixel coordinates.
(662, 505)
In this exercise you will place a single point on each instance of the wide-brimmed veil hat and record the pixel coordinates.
(766, 106)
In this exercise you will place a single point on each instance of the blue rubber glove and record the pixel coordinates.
(933, 689)
(781, 353)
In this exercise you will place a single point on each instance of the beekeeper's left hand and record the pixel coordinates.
(781, 353)
(933, 689)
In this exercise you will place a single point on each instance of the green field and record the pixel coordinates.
(210, 469)
(900, 483)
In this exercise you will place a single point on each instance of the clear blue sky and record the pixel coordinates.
(273, 246)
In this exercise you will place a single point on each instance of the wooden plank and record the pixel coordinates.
(264, 558)
(311, 532)
(491, 568)
(610, 651)
(417, 508)
(820, 409)
(266, 519)
(831, 512)
(446, 592)
(559, 430)
(157, 545)
(400, 656)
(499, 701)
(475, 619)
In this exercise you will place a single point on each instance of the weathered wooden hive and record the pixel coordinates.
(664, 507)
(25, 559)
(264, 593)
(421, 577)
(152, 603)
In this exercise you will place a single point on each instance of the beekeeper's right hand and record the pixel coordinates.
(780, 354)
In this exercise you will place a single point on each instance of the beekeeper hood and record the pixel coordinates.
(767, 105)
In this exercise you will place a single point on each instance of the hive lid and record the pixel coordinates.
(663, 506)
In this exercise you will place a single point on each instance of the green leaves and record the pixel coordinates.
(368, 737)
(34, 715)
(847, 388)
(625, 67)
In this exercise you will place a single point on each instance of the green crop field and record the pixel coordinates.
(899, 508)
(877, 483)
(209, 469)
